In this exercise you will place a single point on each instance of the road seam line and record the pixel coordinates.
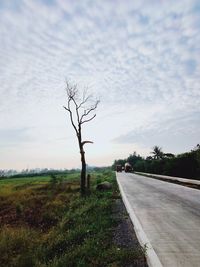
(152, 258)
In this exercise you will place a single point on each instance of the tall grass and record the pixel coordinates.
(67, 230)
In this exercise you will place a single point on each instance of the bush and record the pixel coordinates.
(184, 165)
(17, 246)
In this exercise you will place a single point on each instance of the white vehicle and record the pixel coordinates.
(128, 167)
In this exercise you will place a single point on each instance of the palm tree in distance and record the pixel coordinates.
(157, 152)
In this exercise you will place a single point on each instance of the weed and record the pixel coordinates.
(99, 179)
(19, 209)
(58, 228)
(54, 180)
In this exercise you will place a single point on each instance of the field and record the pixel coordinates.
(45, 222)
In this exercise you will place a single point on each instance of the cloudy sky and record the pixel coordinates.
(141, 58)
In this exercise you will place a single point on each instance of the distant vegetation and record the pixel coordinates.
(32, 173)
(43, 172)
(183, 165)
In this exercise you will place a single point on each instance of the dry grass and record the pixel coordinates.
(45, 223)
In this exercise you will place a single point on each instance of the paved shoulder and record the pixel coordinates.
(169, 215)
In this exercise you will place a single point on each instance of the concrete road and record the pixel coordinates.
(169, 215)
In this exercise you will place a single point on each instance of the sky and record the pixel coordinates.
(140, 58)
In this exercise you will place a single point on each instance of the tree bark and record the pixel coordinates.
(83, 172)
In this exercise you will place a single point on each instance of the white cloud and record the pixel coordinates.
(141, 57)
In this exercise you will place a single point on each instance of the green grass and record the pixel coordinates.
(50, 224)
(36, 180)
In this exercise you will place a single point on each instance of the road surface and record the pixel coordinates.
(169, 215)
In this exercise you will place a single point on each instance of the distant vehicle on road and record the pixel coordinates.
(128, 167)
(119, 168)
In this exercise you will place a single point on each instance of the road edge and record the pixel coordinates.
(152, 258)
(171, 178)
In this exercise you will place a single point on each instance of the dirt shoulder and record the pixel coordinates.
(124, 235)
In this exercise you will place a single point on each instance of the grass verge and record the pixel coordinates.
(47, 223)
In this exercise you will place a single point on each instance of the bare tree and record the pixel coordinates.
(81, 110)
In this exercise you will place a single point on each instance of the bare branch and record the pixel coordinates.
(87, 112)
(66, 108)
(72, 91)
(85, 99)
(71, 117)
(77, 107)
(89, 119)
(72, 95)
(86, 142)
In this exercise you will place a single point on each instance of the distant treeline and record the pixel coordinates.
(185, 165)
(36, 174)
(45, 172)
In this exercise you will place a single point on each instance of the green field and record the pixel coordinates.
(45, 222)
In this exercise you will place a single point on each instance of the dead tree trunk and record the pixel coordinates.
(83, 171)
(83, 115)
